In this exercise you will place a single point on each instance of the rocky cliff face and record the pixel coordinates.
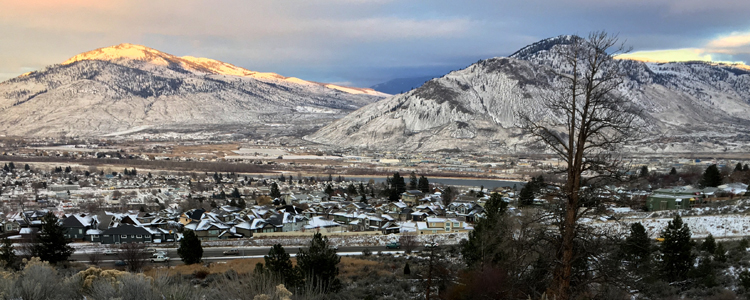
(686, 105)
(128, 88)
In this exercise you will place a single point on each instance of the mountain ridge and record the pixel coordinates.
(473, 109)
(126, 87)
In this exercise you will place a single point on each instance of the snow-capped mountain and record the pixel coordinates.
(687, 106)
(127, 88)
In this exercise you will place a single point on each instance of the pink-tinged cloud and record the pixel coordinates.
(731, 44)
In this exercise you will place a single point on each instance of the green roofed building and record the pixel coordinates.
(679, 198)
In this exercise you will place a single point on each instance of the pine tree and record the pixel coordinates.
(424, 184)
(407, 271)
(279, 263)
(644, 171)
(7, 256)
(27, 167)
(51, 244)
(711, 177)
(241, 203)
(673, 171)
(413, 182)
(746, 168)
(236, 193)
(709, 245)
(351, 190)
(637, 249)
(190, 250)
(677, 259)
(720, 254)
(397, 183)
(738, 167)
(275, 193)
(318, 264)
(329, 190)
(483, 245)
(526, 196)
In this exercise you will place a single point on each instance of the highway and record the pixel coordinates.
(212, 254)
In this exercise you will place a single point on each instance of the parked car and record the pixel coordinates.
(121, 263)
(160, 258)
(149, 250)
(159, 253)
(430, 245)
(232, 252)
(110, 252)
(394, 245)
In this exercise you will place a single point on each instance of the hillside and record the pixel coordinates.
(687, 106)
(130, 88)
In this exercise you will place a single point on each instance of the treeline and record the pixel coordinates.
(510, 255)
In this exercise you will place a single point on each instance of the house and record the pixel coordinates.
(679, 198)
(208, 229)
(441, 225)
(125, 233)
(412, 197)
(76, 225)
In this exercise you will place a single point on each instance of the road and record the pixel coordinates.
(216, 254)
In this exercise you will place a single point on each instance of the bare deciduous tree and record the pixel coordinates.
(584, 122)
(408, 241)
(134, 255)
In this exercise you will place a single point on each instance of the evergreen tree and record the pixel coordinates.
(413, 182)
(673, 171)
(483, 245)
(329, 190)
(351, 190)
(526, 196)
(68, 169)
(709, 245)
(720, 254)
(236, 193)
(711, 177)
(637, 249)
(190, 250)
(27, 167)
(133, 172)
(746, 168)
(644, 171)
(241, 203)
(397, 183)
(318, 264)
(7, 256)
(51, 244)
(424, 184)
(213, 204)
(275, 193)
(279, 263)
(738, 167)
(362, 189)
(676, 256)
(11, 166)
(407, 271)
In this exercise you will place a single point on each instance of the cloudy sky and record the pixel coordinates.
(362, 42)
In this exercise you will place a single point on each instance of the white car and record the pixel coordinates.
(160, 253)
(431, 245)
(110, 252)
(160, 258)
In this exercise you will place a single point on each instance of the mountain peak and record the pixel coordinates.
(543, 45)
(124, 51)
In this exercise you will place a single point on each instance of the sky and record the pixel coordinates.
(363, 42)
